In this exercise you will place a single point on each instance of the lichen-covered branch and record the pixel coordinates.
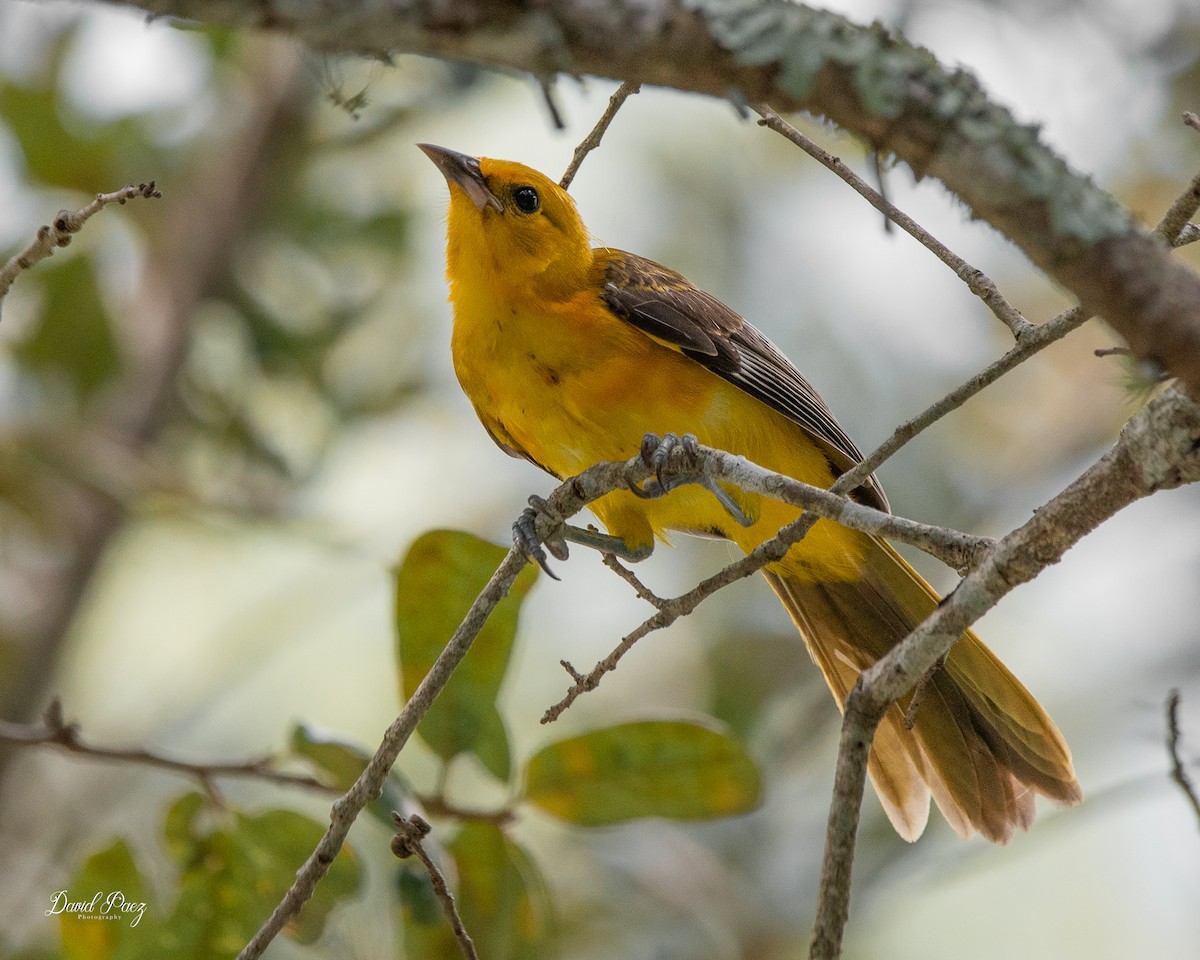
(874, 84)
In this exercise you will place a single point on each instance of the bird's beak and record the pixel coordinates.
(463, 170)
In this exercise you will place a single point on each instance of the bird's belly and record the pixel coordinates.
(571, 404)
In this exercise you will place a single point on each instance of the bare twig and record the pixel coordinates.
(56, 732)
(546, 84)
(672, 610)
(960, 550)
(1174, 740)
(1158, 449)
(65, 226)
(436, 805)
(976, 280)
(592, 140)
(1186, 204)
(634, 581)
(406, 843)
(1041, 337)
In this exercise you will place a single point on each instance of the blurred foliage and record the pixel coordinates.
(75, 342)
(232, 872)
(232, 867)
(306, 280)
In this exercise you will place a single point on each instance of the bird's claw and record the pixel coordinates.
(657, 452)
(526, 538)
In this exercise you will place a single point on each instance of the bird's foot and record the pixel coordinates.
(557, 534)
(676, 461)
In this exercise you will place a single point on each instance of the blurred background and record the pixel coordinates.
(225, 414)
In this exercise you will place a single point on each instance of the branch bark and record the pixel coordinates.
(1158, 449)
(895, 96)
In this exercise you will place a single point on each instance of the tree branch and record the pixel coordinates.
(976, 280)
(1158, 449)
(1178, 770)
(895, 96)
(55, 731)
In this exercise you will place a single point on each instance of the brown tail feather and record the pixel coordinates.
(980, 744)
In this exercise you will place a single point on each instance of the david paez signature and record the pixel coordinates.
(103, 906)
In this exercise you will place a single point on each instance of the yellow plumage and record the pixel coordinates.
(570, 355)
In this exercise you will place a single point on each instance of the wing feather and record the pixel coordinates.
(666, 305)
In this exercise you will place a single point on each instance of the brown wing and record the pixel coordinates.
(664, 304)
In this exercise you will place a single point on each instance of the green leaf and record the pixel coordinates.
(73, 337)
(234, 872)
(654, 768)
(501, 895)
(436, 584)
(342, 762)
(117, 924)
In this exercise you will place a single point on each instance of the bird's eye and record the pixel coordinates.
(526, 199)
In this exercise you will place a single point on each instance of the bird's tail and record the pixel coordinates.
(980, 744)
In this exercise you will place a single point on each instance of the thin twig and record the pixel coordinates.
(1035, 340)
(592, 140)
(56, 732)
(671, 610)
(546, 84)
(960, 550)
(406, 843)
(976, 280)
(1174, 739)
(1041, 337)
(68, 223)
(436, 805)
(631, 578)
(1186, 204)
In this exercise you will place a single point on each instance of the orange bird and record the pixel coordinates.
(570, 355)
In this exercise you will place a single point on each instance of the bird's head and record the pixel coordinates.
(512, 223)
